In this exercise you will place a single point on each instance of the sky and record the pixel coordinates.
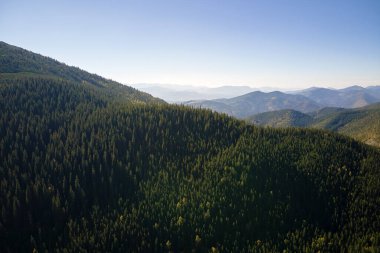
(260, 43)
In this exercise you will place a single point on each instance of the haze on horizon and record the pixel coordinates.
(284, 44)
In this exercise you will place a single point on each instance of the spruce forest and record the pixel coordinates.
(90, 165)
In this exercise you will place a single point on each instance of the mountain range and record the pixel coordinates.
(304, 100)
(90, 165)
(350, 97)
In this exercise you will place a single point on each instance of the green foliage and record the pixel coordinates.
(282, 118)
(81, 172)
(363, 123)
(18, 63)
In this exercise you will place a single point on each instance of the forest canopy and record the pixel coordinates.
(90, 165)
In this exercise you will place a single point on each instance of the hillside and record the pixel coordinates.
(282, 118)
(18, 63)
(362, 123)
(257, 102)
(82, 174)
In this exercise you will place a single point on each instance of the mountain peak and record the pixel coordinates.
(353, 88)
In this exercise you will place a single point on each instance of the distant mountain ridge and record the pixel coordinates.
(350, 97)
(180, 93)
(304, 101)
(257, 102)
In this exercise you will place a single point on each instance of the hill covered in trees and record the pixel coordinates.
(80, 172)
(281, 118)
(17, 63)
(361, 123)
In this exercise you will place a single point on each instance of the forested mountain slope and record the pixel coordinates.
(281, 118)
(19, 63)
(81, 174)
(361, 123)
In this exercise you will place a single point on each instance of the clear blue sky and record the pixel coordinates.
(283, 43)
